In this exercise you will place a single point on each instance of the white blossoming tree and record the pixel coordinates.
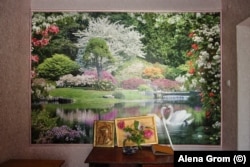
(123, 42)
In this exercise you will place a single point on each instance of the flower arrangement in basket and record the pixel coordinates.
(137, 132)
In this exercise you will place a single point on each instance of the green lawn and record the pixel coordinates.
(94, 99)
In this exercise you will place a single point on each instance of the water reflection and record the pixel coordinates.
(88, 116)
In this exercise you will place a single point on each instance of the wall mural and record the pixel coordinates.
(88, 66)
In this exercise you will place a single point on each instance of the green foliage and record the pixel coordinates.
(56, 66)
(58, 46)
(173, 72)
(166, 37)
(96, 53)
(99, 48)
(144, 87)
(42, 121)
(118, 95)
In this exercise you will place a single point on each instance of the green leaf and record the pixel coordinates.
(136, 125)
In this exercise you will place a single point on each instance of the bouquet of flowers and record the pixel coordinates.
(136, 132)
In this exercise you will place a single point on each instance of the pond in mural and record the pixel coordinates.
(101, 66)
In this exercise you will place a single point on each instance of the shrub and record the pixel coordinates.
(119, 95)
(56, 66)
(63, 134)
(166, 84)
(104, 85)
(40, 89)
(153, 72)
(132, 83)
(144, 87)
(172, 72)
(105, 75)
(75, 81)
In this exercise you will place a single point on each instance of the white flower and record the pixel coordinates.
(216, 57)
(202, 80)
(210, 40)
(198, 39)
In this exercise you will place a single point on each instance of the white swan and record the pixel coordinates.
(177, 118)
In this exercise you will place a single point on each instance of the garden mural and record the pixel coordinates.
(101, 66)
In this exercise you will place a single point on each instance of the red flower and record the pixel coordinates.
(121, 124)
(148, 133)
(191, 71)
(195, 46)
(208, 114)
(211, 94)
(191, 34)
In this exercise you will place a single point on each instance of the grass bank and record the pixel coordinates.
(84, 98)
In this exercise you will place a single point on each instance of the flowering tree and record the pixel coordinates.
(123, 42)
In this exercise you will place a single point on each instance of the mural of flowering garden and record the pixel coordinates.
(101, 66)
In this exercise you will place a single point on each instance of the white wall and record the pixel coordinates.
(243, 69)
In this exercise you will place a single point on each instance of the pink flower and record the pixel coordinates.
(35, 58)
(148, 133)
(44, 41)
(35, 42)
(121, 124)
(45, 33)
(53, 29)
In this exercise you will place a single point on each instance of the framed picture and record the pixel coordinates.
(127, 128)
(103, 133)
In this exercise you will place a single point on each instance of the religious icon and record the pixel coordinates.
(103, 133)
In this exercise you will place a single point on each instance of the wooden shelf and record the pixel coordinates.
(112, 157)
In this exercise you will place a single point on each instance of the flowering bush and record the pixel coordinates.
(105, 75)
(132, 83)
(204, 74)
(41, 37)
(136, 132)
(165, 84)
(204, 67)
(64, 134)
(74, 81)
(40, 89)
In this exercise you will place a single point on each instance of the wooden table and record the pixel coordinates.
(32, 163)
(113, 157)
